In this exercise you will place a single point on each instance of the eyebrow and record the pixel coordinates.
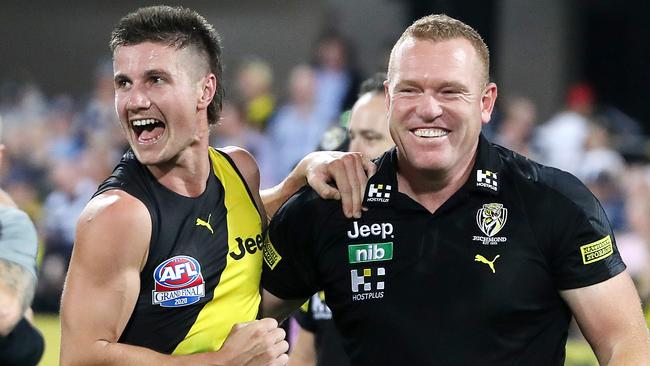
(147, 74)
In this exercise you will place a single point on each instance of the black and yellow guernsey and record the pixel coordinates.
(204, 265)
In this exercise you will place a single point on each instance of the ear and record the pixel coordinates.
(387, 95)
(488, 99)
(208, 89)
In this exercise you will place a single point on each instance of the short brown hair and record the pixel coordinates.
(176, 26)
(440, 27)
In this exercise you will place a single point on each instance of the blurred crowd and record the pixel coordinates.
(59, 149)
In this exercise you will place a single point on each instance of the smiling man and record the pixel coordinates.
(469, 253)
(167, 259)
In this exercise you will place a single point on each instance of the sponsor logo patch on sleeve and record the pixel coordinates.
(271, 256)
(600, 249)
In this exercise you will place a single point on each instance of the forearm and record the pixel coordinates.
(630, 351)
(16, 288)
(112, 353)
(274, 197)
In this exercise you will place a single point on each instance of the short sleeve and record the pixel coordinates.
(289, 265)
(18, 240)
(582, 243)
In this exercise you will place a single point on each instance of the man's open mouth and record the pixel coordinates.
(148, 131)
(430, 132)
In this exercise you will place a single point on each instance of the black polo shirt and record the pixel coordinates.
(476, 282)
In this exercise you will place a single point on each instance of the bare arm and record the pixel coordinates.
(610, 317)
(17, 284)
(275, 307)
(303, 351)
(102, 287)
(349, 172)
(16, 293)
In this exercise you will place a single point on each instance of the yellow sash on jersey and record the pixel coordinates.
(237, 296)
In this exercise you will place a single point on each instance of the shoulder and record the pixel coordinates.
(547, 183)
(307, 206)
(245, 163)
(18, 240)
(114, 223)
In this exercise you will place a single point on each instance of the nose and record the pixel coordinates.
(137, 99)
(429, 107)
(356, 145)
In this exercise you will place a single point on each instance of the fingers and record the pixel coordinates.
(319, 183)
(355, 175)
(369, 167)
(256, 343)
(349, 171)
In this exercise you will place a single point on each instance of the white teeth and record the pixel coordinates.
(144, 122)
(430, 132)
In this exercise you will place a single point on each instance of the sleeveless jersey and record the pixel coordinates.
(203, 270)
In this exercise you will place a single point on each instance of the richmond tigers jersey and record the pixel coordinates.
(203, 271)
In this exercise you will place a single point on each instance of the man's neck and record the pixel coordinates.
(187, 174)
(432, 189)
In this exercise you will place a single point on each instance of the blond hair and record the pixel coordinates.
(440, 27)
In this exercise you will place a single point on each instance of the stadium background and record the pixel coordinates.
(54, 56)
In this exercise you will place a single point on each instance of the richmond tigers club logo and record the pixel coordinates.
(491, 218)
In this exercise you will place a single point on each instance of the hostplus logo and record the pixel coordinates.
(368, 283)
(379, 193)
(487, 179)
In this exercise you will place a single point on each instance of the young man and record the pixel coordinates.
(318, 342)
(468, 253)
(167, 260)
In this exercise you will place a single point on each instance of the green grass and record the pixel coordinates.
(50, 326)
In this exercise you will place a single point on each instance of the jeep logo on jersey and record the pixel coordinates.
(384, 229)
(378, 193)
(362, 253)
(178, 282)
(486, 179)
(491, 218)
(248, 245)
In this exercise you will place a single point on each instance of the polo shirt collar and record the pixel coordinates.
(382, 187)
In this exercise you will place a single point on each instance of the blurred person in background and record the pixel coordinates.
(561, 140)
(20, 343)
(602, 169)
(233, 130)
(368, 127)
(635, 239)
(318, 342)
(96, 123)
(336, 74)
(515, 130)
(254, 83)
(297, 127)
(71, 191)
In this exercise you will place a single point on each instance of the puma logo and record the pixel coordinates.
(206, 224)
(480, 258)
